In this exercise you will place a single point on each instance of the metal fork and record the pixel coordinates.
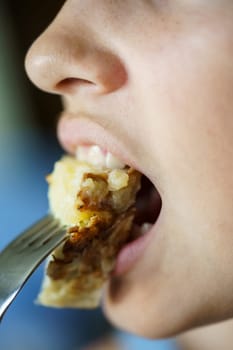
(24, 254)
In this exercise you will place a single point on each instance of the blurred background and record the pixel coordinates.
(28, 149)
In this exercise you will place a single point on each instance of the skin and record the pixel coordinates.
(154, 81)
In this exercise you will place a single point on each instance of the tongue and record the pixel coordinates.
(145, 228)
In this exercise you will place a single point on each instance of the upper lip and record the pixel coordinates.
(79, 129)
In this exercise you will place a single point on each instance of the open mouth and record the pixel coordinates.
(98, 197)
(148, 208)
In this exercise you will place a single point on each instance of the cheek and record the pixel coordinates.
(187, 98)
(185, 95)
(189, 111)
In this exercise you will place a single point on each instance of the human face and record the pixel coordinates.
(152, 82)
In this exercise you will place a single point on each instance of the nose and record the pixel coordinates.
(64, 61)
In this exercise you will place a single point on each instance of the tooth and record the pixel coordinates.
(96, 156)
(113, 163)
(82, 153)
(145, 227)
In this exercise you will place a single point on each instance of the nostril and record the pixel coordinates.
(63, 64)
(70, 84)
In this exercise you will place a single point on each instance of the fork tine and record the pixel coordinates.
(36, 237)
(44, 237)
(35, 228)
(50, 242)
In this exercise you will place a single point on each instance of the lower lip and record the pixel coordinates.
(131, 253)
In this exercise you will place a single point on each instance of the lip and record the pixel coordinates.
(131, 252)
(76, 129)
